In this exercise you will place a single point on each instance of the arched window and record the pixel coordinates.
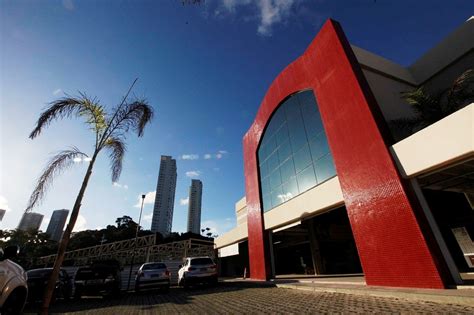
(293, 155)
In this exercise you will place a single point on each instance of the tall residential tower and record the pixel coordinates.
(56, 224)
(194, 208)
(164, 199)
(30, 221)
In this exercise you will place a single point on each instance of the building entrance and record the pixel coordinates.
(322, 245)
(450, 196)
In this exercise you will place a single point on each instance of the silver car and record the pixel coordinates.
(152, 275)
(13, 286)
(197, 270)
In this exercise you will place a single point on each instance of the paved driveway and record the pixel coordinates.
(238, 298)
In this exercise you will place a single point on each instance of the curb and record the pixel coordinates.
(412, 296)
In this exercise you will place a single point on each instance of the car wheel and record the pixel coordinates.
(77, 294)
(14, 303)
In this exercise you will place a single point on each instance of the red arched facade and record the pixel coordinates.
(395, 246)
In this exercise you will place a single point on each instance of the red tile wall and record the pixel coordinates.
(393, 249)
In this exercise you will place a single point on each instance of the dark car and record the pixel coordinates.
(38, 279)
(152, 275)
(101, 278)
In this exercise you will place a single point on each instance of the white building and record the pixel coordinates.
(56, 224)
(30, 221)
(164, 199)
(194, 207)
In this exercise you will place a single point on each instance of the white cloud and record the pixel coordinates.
(219, 156)
(193, 173)
(190, 156)
(57, 91)
(223, 152)
(80, 224)
(207, 156)
(219, 226)
(270, 12)
(4, 203)
(115, 184)
(148, 217)
(230, 5)
(79, 160)
(184, 201)
(68, 5)
(149, 199)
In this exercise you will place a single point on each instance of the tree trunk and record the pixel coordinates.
(65, 240)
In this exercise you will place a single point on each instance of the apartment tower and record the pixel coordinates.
(194, 207)
(56, 224)
(30, 221)
(164, 199)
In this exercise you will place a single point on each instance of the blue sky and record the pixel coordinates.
(205, 70)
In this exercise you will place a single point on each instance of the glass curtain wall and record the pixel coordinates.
(294, 155)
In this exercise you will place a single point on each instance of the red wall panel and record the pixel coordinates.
(393, 249)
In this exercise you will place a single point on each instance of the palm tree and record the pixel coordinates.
(110, 131)
(429, 108)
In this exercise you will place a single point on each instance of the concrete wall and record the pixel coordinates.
(445, 142)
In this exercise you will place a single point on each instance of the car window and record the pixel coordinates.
(63, 274)
(84, 274)
(201, 261)
(39, 273)
(154, 266)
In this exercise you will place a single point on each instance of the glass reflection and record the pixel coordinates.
(294, 155)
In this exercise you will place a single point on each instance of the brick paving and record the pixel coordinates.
(239, 298)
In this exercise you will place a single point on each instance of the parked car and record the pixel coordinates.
(13, 287)
(196, 270)
(38, 279)
(152, 275)
(100, 278)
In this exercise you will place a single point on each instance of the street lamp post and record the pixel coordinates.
(134, 249)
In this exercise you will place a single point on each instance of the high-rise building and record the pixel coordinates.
(164, 199)
(2, 214)
(194, 206)
(56, 224)
(30, 221)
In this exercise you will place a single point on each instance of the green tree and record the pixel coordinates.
(109, 130)
(431, 107)
(125, 222)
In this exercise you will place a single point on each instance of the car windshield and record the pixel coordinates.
(201, 261)
(39, 273)
(154, 266)
(93, 273)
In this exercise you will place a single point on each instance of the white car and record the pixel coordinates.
(13, 286)
(197, 270)
(152, 275)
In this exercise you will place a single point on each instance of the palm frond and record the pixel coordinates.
(117, 149)
(461, 91)
(56, 165)
(135, 116)
(68, 106)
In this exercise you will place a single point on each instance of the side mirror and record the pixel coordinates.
(10, 252)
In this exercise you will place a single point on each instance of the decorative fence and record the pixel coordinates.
(143, 249)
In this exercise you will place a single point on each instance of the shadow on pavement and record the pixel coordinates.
(146, 299)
